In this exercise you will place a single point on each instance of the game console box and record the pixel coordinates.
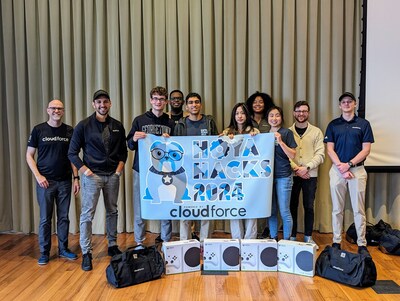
(259, 255)
(285, 256)
(305, 257)
(296, 257)
(181, 256)
(221, 255)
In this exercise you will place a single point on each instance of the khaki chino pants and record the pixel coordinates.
(356, 188)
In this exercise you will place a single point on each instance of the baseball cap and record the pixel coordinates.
(99, 93)
(347, 94)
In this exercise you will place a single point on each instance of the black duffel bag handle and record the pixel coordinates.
(135, 266)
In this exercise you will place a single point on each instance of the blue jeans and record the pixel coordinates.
(281, 197)
(91, 187)
(309, 187)
(58, 192)
(139, 225)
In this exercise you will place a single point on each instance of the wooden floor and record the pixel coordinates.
(21, 278)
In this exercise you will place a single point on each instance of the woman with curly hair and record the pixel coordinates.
(258, 104)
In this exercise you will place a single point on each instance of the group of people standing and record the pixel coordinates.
(102, 141)
(299, 150)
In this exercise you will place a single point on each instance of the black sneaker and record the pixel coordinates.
(158, 239)
(363, 251)
(87, 262)
(335, 245)
(113, 251)
(265, 233)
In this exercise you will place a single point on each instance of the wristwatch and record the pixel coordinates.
(350, 164)
(77, 178)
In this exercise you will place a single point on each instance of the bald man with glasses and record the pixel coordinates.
(53, 173)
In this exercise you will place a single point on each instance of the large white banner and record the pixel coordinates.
(206, 177)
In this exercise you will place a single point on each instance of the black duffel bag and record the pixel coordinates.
(390, 242)
(135, 266)
(344, 267)
(373, 233)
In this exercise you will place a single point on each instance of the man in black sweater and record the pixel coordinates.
(155, 122)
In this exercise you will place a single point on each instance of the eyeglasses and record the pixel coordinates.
(158, 154)
(302, 112)
(158, 99)
(346, 102)
(191, 102)
(177, 99)
(56, 108)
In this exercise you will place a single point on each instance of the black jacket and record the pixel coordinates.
(88, 136)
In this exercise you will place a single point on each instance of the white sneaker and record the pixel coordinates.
(139, 246)
(308, 239)
(292, 238)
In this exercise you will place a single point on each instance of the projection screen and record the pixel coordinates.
(382, 83)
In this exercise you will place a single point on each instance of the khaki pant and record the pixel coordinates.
(356, 187)
(244, 228)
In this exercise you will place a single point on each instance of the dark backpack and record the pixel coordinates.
(372, 235)
(344, 267)
(390, 242)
